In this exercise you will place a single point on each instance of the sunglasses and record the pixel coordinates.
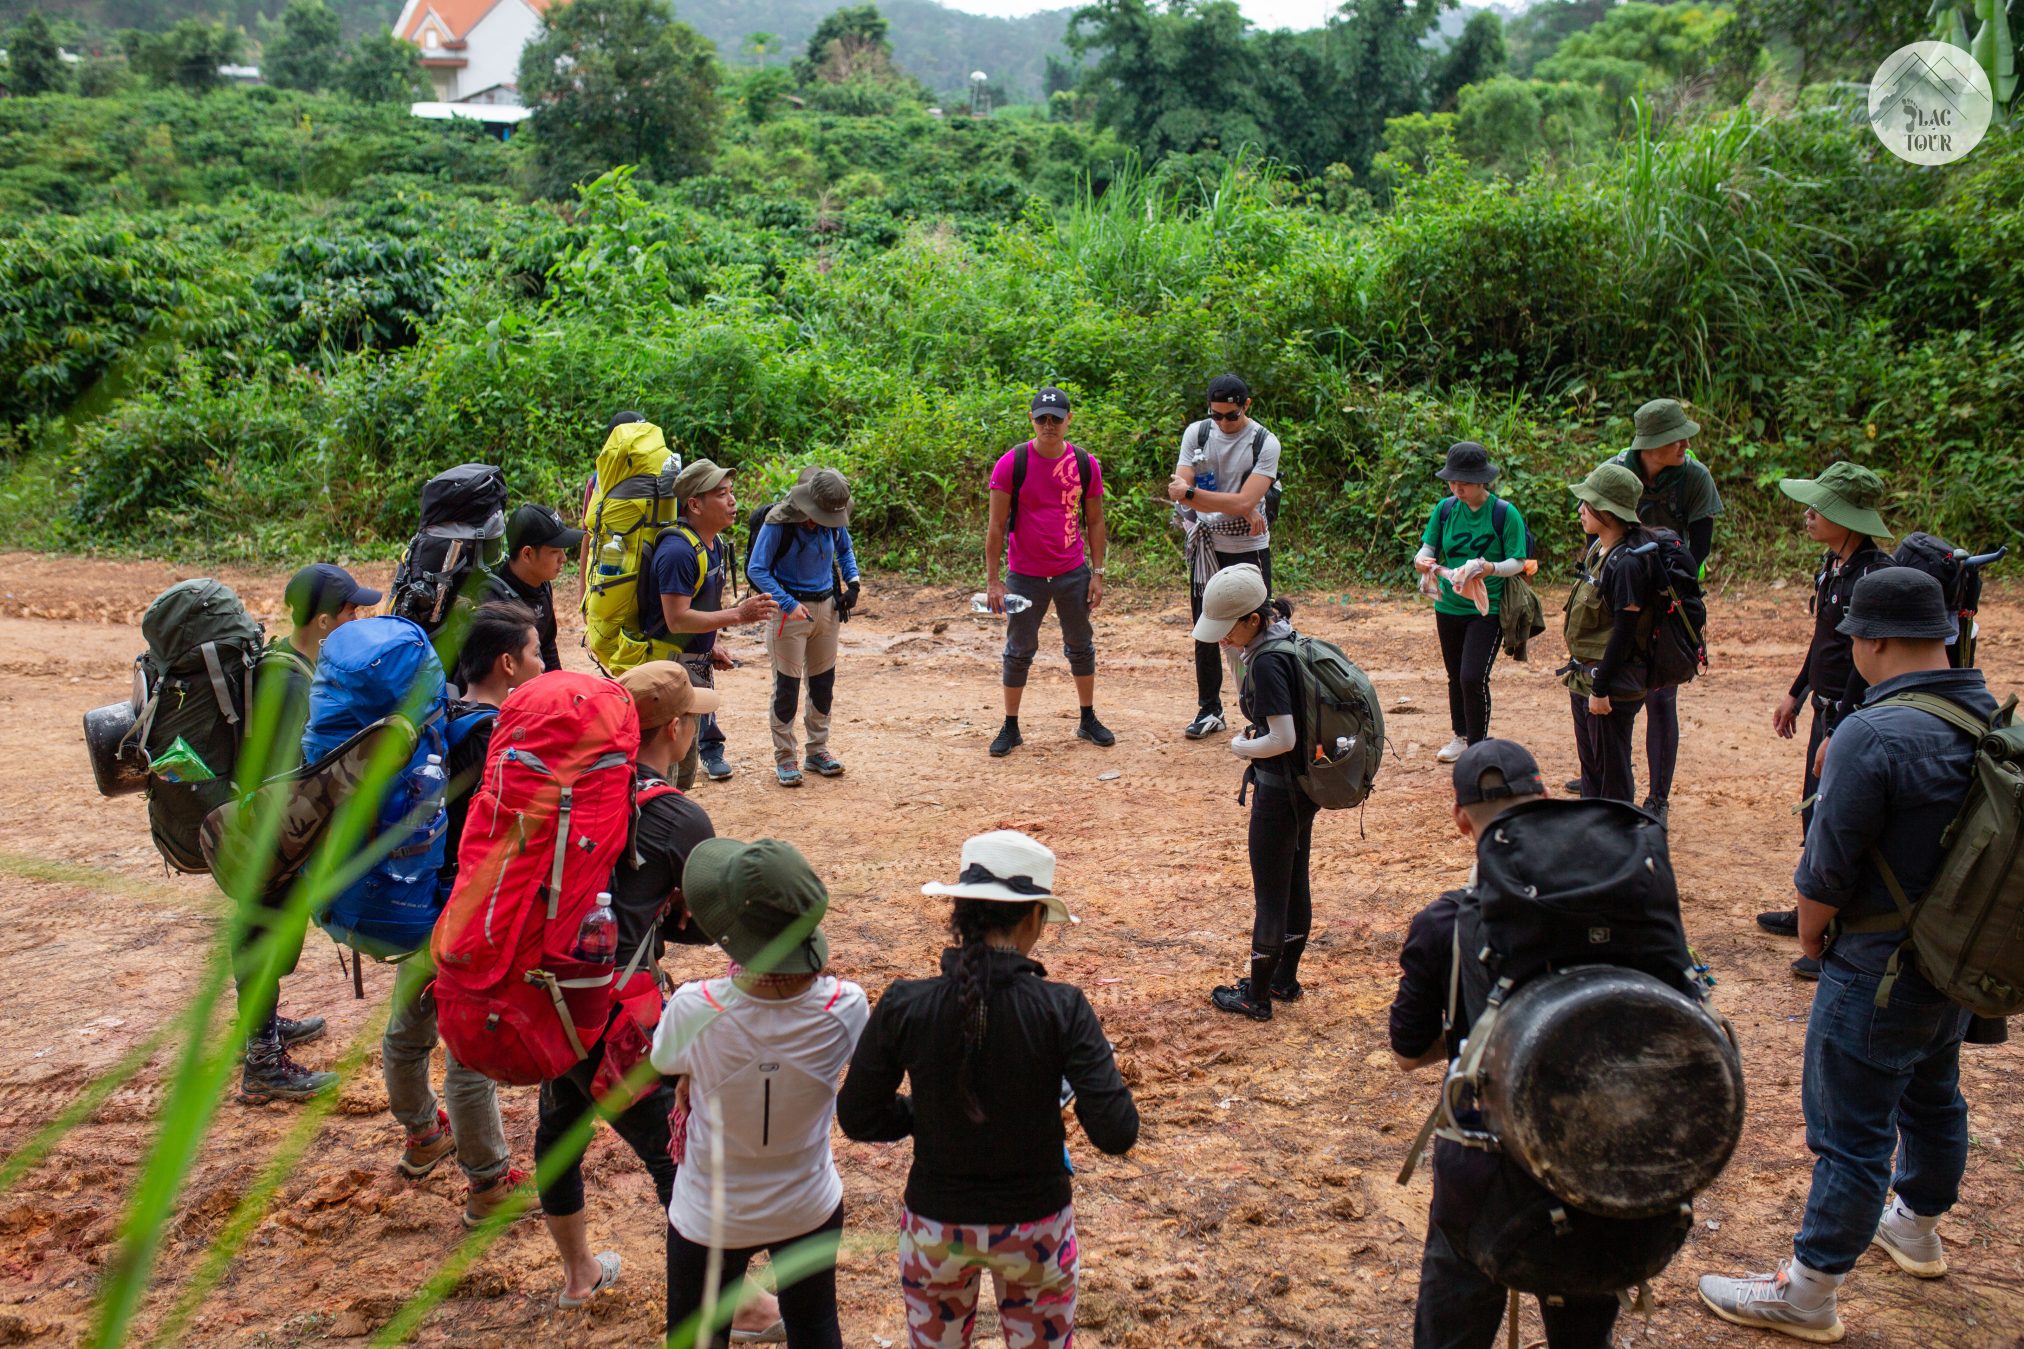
(1226, 417)
(1046, 419)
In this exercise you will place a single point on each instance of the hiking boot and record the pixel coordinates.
(1451, 751)
(427, 1148)
(272, 1076)
(1780, 922)
(1094, 731)
(1807, 968)
(1573, 786)
(301, 1032)
(1912, 1241)
(714, 765)
(488, 1198)
(1765, 1301)
(1238, 999)
(823, 762)
(1008, 740)
(1207, 722)
(1654, 806)
(789, 775)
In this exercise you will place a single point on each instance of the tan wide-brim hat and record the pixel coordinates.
(1010, 868)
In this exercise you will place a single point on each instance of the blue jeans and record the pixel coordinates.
(1880, 1083)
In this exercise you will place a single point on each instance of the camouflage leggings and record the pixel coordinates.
(1033, 1272)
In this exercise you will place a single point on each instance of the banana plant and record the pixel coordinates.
(1991, 45)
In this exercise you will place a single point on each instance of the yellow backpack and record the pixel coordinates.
(631, 502)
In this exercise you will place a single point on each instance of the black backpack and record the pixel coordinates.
(1960, 577)
(1674, 634)
(1020, 452)
(463, 521)
(1271, 502)
(1572, 930)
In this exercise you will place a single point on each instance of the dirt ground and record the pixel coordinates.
(1259, 1208)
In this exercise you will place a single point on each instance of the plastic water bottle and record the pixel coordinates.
(431, 781)
(1205, 476)
(1343, 745)
(611, 557)
(980, 603)
(597, 935)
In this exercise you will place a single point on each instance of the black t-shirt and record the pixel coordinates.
(1271, 688)
(667, 830)
(502, 584)
(465, 764)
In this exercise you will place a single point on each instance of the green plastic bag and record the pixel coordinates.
(181, 764)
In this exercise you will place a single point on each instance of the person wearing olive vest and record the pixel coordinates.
(1678, 493)
(1841, 516)
(1607, 670)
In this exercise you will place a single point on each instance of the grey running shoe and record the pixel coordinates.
(1765, 1301)
(1917, 1253)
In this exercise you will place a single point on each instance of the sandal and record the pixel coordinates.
(607, 1275)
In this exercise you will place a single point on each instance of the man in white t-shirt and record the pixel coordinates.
(1227, 467)
(761, 1052)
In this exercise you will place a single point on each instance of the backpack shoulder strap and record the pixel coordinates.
(1020, 452)
(1257, 445)
(1500, 511)
(221, 690)
(1085, 468)
(1202, 433)
(1946, 709)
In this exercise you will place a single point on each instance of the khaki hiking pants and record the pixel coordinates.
(803, 649)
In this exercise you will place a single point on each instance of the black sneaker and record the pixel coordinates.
(715, 765)
(1574, 786)
(272, 1076)
(1008, 740)
(1240, 1001)
(1207, 722)
(1094, 731)
(301, 1032)
(1807, 968)
(1780, 922)
(1281, 992)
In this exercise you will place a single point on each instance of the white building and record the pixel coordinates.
(471, 47)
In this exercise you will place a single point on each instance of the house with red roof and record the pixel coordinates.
(471, 47)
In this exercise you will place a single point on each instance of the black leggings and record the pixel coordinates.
(644, 1128)
(1604, 745)
(1209, 655)
(1469, 649)
(808, 1305)
(1662, 739)
(1282, 840)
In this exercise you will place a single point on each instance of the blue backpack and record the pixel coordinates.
(369, 670)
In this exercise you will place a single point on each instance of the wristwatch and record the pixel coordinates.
(1096, 571)
(1189, 495)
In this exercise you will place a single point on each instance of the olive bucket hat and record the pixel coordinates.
(1611, 488)
(761, 902)
(1847, 494)
(1661, 422)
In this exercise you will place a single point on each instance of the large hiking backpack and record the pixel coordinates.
(1336, 703)
(463, 522)
(546, 826)
(631, 500)
(192, 688)
(1966, 933)
(1960, 578)
(371, 670)
(1520, 615)
(1270, 504)
(1675, 634)
(1591, 1070)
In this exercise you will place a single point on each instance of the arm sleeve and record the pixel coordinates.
(765, 552)
(1510, 566)
(1622, 641)
(1848, 818)
(1279, 738)
(1426, 551)
(1103, 1102)
(846, 555)
(1701, 537)
(1804, 679)
(1419, 1006)
(870, 1107)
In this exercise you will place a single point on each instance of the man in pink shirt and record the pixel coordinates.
(1047, 498)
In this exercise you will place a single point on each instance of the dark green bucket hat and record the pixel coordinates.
(761, 902)
(1611, 488)
(1848, 494)
(1661, 422)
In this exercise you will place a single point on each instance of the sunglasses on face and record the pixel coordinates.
(1226, 417)
(1046, 419)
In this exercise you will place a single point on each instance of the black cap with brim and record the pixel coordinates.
(535, 526)
(1507, 757)
(1229, 389)
(1898, 602)
(325, 588)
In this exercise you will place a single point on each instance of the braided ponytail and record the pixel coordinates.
(972, 921)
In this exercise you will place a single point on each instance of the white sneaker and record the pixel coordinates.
(1765, 1301)
(1917, 1251)
(1205, 723)
(1452, 750)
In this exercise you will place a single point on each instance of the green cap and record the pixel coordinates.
(1612, 488)
(1661, 422)
(761, 902)
(1847, 494)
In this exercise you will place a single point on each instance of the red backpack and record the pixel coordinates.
(546, 825)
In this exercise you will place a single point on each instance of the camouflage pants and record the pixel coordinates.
(1032, 1268)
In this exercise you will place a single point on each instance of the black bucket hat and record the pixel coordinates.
(1899, 602)
(1468, 462)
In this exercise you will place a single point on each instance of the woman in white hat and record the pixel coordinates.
(1237, 612)
(993, 1050)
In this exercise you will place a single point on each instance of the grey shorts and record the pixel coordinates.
(1069, 596)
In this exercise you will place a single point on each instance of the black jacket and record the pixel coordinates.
(1009, 1169)
(502, 584)
(1829, 672)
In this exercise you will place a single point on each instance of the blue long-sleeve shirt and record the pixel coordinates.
(1895, 779)
(798, 558)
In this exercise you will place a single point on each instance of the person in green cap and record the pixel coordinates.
(1841, 516)
(1678, 493)
(1607, 670)
(760, 1051)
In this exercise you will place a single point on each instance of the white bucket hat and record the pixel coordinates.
(1009, 867)
(1230, 594)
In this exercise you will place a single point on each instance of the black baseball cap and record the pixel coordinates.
(534, 526)
(1051, 402)
(1508, 757)
(1229, 389)
(324, 588)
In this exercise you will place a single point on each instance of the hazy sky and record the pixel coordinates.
(1264, 13)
